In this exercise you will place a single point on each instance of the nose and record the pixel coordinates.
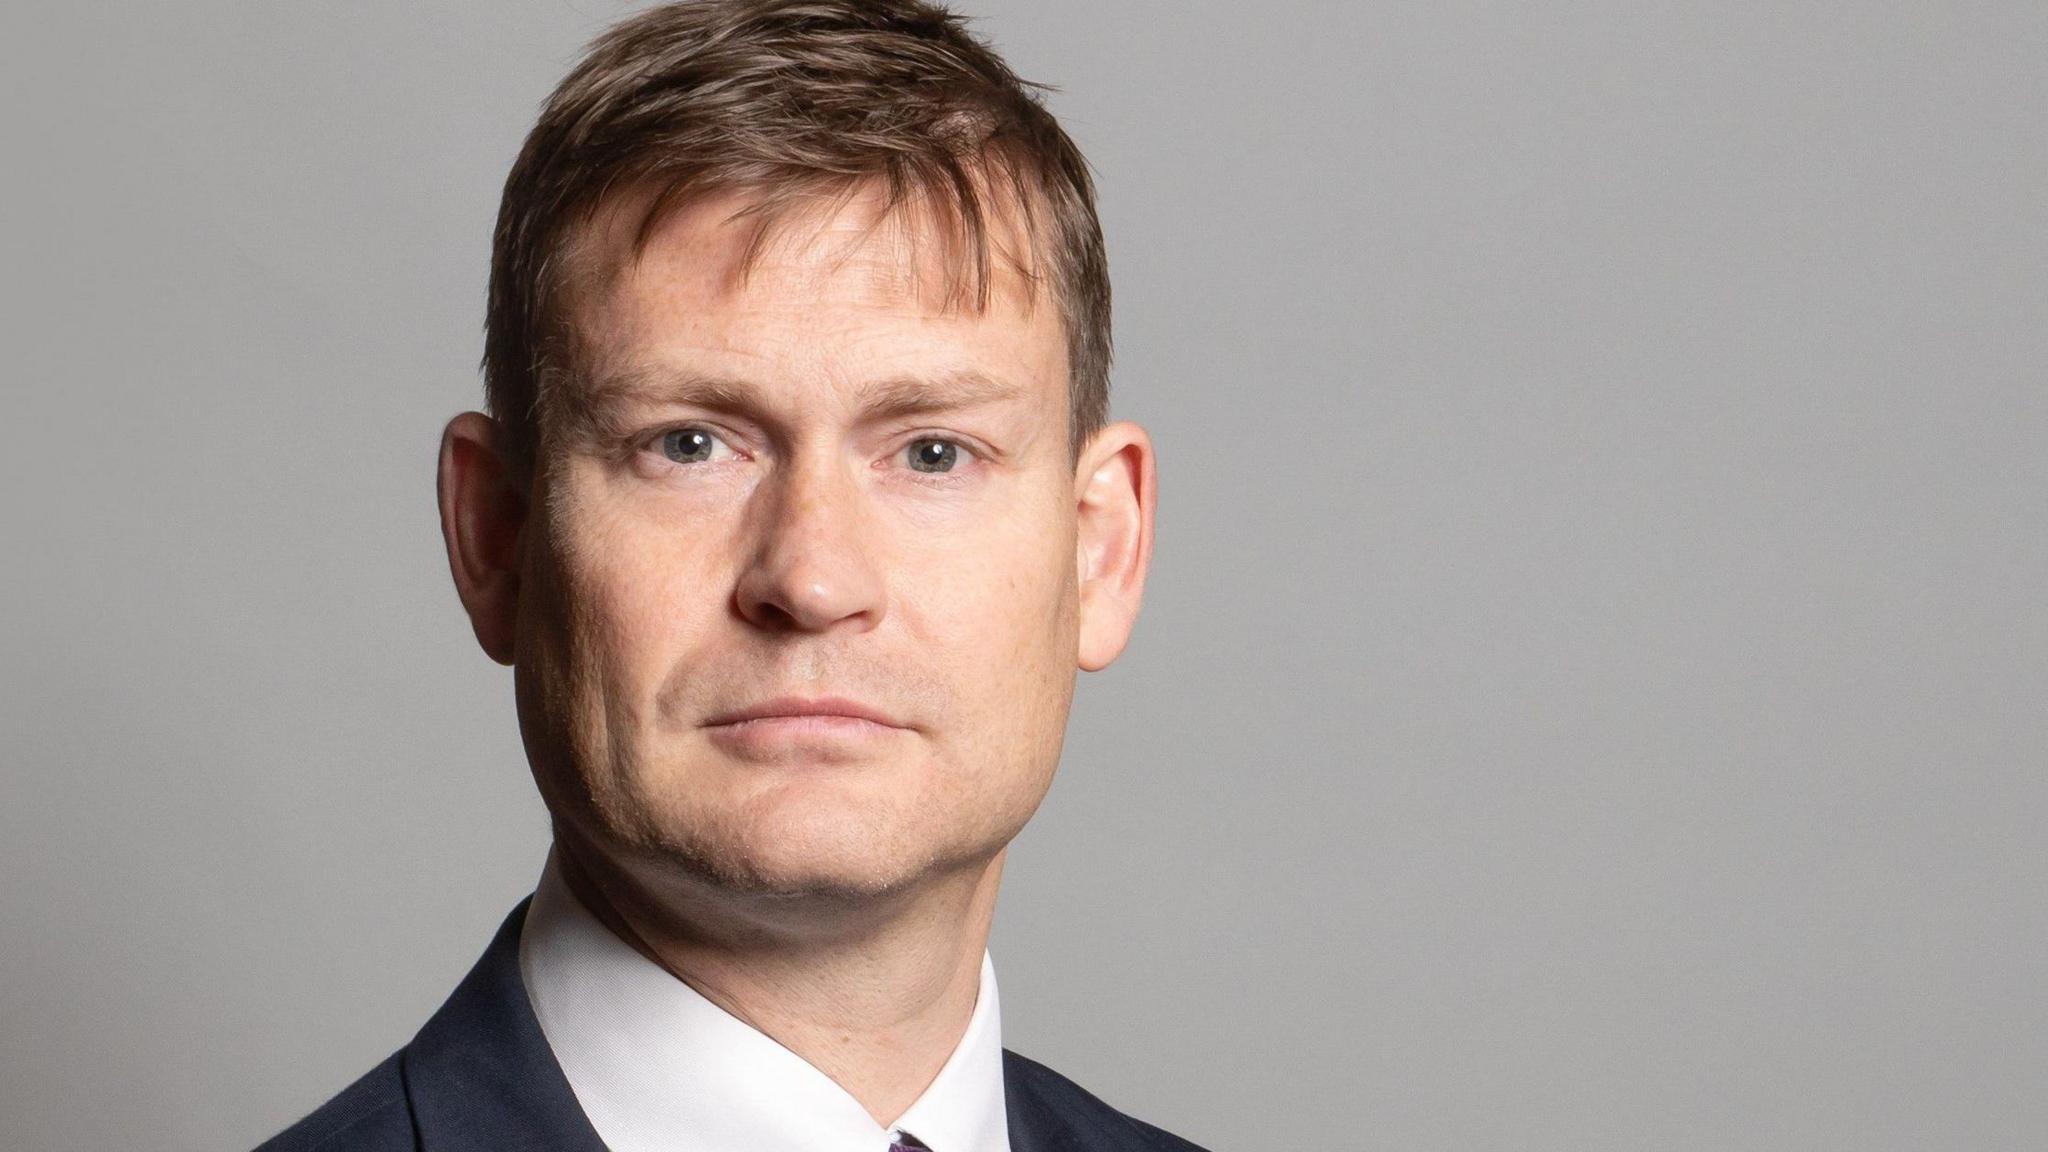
(811, 569)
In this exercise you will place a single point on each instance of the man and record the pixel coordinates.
(795, 514)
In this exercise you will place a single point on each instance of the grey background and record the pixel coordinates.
(1591, 690)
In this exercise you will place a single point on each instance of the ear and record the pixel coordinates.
(482, 517)
(1115, 487)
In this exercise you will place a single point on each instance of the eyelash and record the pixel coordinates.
(968, 449)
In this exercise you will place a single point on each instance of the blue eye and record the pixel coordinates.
(930, 455)
(688, 445)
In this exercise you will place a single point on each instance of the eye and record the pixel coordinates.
(931, 454)
(691, 445)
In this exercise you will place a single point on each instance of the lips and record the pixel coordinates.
(798, 707)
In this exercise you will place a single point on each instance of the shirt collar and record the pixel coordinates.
(656, 1066)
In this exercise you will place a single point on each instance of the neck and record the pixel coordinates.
(876, 996)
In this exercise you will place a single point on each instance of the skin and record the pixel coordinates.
(728, 515)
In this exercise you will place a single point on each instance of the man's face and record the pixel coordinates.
(808, 488)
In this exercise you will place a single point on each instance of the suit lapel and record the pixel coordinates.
(1036, 1125)
(480, 1076)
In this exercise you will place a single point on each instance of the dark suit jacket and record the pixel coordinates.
(481, 1078)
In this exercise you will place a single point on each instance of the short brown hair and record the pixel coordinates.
(779, 99)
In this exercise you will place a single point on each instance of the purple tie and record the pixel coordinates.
(907, 1143)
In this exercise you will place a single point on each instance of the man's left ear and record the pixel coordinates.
(1116, 488)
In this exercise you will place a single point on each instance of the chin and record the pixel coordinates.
(799, 843)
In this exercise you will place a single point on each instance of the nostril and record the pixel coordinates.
(783, 601)
(768, 615)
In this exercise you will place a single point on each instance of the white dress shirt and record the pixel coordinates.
(659, 1068)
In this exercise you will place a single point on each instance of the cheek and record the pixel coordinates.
(637, 598)
(999, 622)
(1000, 581)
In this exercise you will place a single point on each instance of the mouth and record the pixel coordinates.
(824, 713)
(791, 729)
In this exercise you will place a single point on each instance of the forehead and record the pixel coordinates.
(828, 289)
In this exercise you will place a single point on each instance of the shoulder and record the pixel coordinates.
(1092, 1123)
(369, 1115)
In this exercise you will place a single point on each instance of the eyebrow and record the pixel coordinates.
(917, 395)
(594, 407)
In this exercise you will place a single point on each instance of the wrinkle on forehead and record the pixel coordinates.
(906, 248)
